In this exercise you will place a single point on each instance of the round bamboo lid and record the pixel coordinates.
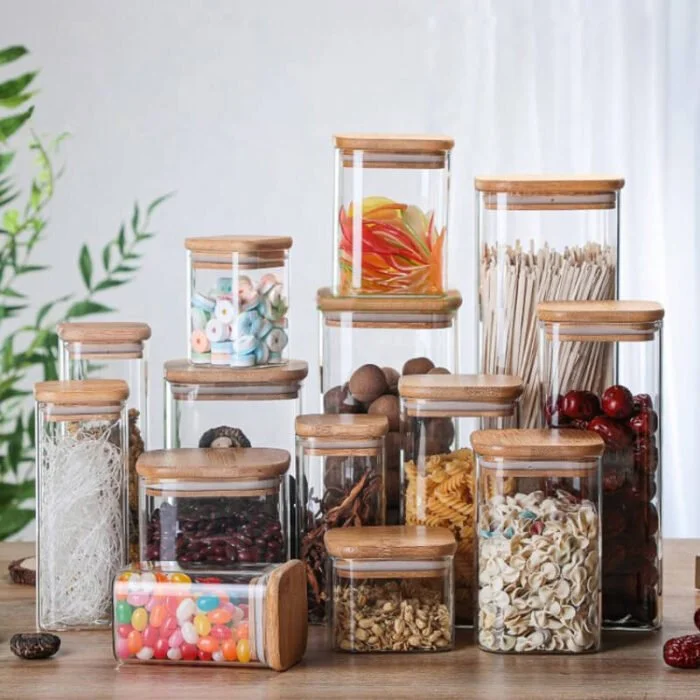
(343, 426)
(116, 332)
(397, 542)
(87, 392)
(182, 372)
(549, 184)
(586, 312)
(326, 302)
(487, 388)
(212, 463)
(537, 445)
(216, 245)
(394, 143)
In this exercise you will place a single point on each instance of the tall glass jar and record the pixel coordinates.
(391, 211)
(340, 477)
(539, 537)
(438, 414)
(114, 350)
(81, 466)
(238, 300)
(601, 372)
(368, 343)
(540, 238)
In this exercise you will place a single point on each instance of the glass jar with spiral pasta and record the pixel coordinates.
(213, 508)
(247, 616)
(391, 211)
(538, 541)
(438, 414)
(601, 372)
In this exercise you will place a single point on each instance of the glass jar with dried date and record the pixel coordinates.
(616, 393)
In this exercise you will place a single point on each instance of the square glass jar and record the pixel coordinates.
(391, 211)
(238, 300)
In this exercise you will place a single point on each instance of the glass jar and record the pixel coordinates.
(438, 414)
(391, 589)
(114, 350)
(540, 238)
(248, 616)
(212, 507)
(400, 185)
(602, 362)
(538, 541)
(81, 467)
(340, 483)
(238, 300)
(400, 336)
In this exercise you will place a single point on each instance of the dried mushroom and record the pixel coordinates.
(224, 436)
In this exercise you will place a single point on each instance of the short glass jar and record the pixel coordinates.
(81, 468)
(114, 350)
(399, 336)
(238, 300)
(601, 372)
(252, 616)
(438, 414)
(539, 537)
(391, 589)
(540, 238)
(391, 211)
(213, 507)
(340, 484)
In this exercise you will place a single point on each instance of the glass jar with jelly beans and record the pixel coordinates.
(252, 616)
(238, 300)
(213, 507)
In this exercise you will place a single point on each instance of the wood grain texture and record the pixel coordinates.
(397, 542)
(87, 392)
(182, 372)
(490, 388)
(213, 245)
(544, 445)
(445, 304)
(613, 312)
(341, 426)
(629, 666)
(549, 184)
(106, 332)
(394, 143)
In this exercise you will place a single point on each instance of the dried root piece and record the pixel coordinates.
(23, 571)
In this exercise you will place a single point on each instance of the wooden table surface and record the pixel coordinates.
(630, 665)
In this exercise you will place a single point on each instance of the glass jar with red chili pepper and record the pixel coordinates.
(616, 393)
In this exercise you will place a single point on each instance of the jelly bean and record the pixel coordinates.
(208, 644)
(203, 655)
(122, 648)
(150, 636)
(174, 654)
(160, 650)
(228, 649)
(221, 632)
(138, 600)
(172, 602)
(221, 615)
(161, 577)
(189, 633)
(158, 615)
(148, 578)
(123, 612)
(241, 631)
(145, 654)
(134, 641)
(139, 619)
(243, 651)
(202, 625)
(153, 602)
(207, 603)
(244, 608)
(125, 575)
(123, 630)
(189, 652)
(179, 577)
(239, 613)
(168, 627)
(175, 639)
(217, 656)
(185, 610)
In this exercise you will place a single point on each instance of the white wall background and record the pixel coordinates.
(232, 103)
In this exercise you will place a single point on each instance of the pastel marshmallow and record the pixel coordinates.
(199, 341)
(218, 330)
(199, 318)
(226, 346)
(242, 360)
(224, 285)
(262, 354)
(276, 340)
(246, 322)
(225, 310)
(221, 358)
(244, 344)
(267, 282)
(200, 301)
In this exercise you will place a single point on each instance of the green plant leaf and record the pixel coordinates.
(14, 87)
(106, 256)
(10, 221)
(108, 284)
(46, 308)
(17, 492)
(121, 239)
(31, 428)
(126, 269)
(87, 307)
(13, 519)
(25, 269)
(5, 161)
(85, 264)
(10, 311)
(9, 292)
(157, 202)
(10, 125)
(135, 218)
(12, 53)
(17, 100)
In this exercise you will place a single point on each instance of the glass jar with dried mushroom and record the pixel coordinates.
(212, 507)
(538, 541)
(438, 414)
(391, 589)
(368, 343)
(340, 477)
(114, 350)
(616, 394)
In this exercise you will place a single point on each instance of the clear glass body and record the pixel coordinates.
(81, 513)
(130, 364)
(438, 479)
(534, 249)
(242, 328)
(391, 606)
(340, 484)
(213, 523)
(618, 396)
(390, 223)
(165, 615)
(538, 557)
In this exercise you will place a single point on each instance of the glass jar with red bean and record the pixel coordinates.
(600, 364)
(212, 507)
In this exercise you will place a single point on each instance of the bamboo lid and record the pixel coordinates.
(212, 463)
(88, 392)
(286, 615)
(117, 332)
(496, 388)
(606, 312)
(548, 184)
(213, 245)
(326, 301)
(343, 426)
(397, 542)
(394, 143)
(182, 372)
(537, 445)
